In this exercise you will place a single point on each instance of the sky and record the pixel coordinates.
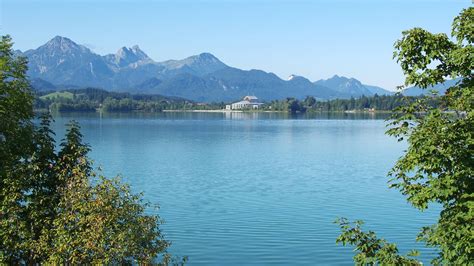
(314, 39)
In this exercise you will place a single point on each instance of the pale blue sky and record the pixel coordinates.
(315, 39)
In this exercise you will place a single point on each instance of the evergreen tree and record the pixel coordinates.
(16, 148)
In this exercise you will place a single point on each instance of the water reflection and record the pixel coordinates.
(230, 115)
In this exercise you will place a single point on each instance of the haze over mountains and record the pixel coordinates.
(62, 63)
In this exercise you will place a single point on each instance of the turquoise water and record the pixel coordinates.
(258, 188)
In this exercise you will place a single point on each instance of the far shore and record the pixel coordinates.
(221, 111)
(217, 111)
(269, 111)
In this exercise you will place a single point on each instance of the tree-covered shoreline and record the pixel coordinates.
(93, 99)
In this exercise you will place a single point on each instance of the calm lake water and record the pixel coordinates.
(258, 188)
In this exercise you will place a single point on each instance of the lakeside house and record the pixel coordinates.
(248, 102)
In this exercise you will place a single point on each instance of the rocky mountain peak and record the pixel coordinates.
(200, 64)
(139, 52)
(207, 57)
(125, 56)
(62, 44)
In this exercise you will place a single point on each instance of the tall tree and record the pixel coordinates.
(438, 166)
(16, 148)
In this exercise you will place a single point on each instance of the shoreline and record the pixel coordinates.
(217, 111)
(269, 111)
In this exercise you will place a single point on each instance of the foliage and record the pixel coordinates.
(371, 250)
(15, 149)
(376, 102)
(54, 207)
(291, 105)
(438, 166)
(91, 100)
(58, 94)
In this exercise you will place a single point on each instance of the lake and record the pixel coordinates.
(258, 188)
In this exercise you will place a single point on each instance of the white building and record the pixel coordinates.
(249, 102)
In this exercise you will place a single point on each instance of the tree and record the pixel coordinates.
(54, 207)
(15, 150)
(43, 182)
(438, 166)
(371, 250)
(309, 101)
(100, 223)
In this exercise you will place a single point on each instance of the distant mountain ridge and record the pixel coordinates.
(126, 56)
(351, 86)
(440, 88)
(62, 63)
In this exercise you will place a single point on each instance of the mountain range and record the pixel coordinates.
(62, 63)
(440, 88)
